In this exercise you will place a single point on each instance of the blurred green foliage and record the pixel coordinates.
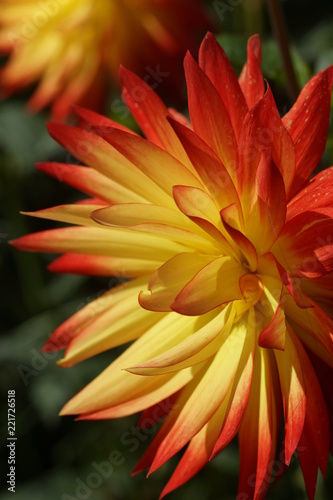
(55, 456)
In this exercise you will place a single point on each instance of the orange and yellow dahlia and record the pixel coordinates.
(228, 244)
(71, 47)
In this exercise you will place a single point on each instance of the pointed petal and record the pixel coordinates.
(262, 130)
(314, 327)
(293, 394)
(157, 220)
(273, 336)
(309, 133)
(150, 113)
(209, 116)
(200, 208)
(193, 350)
(125, 387)
(197, 453)
(105, 241)
(316, 426)
(251, 79)
(156, 163)
(89, 181)
(268, 206)
(201, 398)
(258, 431)
(292, 285)
(124, 322)
(163, 387)
(91, 118)
(131, 214)
(209, 167)
(304, 247)
(101, 265)
(214, 62)
(268, 427)
(317, 193)
(89, 313)
(97, 153)
(71, 214)
(240, 391)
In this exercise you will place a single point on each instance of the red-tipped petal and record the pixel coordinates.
(209, 116)
(293, 394)
(304, 247)
(307, 123)
(273, 336)
(216, 65)
(91, 118)
(268, 205)
(243, 243)
(153, 161)
(317, 193)
(251, 79)
(150, 113)
(89, 181)
(239, 395)
(209, 167)
(100, 265)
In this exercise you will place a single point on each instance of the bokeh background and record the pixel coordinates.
(56, 456)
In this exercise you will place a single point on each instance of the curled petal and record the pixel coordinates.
(213, 285)
(166, 283)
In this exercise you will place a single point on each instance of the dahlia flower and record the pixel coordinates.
(70, 47)
(227, 244)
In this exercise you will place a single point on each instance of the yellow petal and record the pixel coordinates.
(215, 284)
(193, 350)
(169, 279)
(71, 214)
(100, 394)
(117, 242)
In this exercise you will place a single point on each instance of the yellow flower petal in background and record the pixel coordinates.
(72, 48)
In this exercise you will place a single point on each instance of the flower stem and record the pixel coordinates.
(281, 33)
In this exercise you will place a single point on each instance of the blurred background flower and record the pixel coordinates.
(72, 49)
(56, 457)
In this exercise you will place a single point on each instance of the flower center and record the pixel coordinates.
(252, 290)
